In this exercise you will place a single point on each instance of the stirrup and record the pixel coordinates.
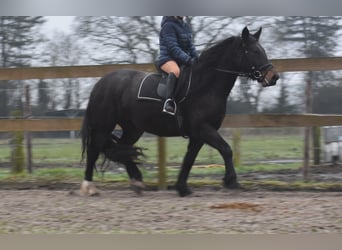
(173, 103)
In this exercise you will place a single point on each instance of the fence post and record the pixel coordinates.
(162, 163)
(316, 131)
(27, 114)
(308, 109)
(17, 150)
(306, 155)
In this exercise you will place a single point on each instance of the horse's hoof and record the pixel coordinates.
(231, 183)
(183, 191)
(88, 189)
(137, 186)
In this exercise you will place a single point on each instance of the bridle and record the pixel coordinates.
(255, 73)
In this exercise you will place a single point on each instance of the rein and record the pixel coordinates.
(254, 74)
(239, 73)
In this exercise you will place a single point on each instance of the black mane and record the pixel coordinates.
(210, 55)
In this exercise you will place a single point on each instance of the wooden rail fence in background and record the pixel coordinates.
(282, 65)
(230, 121)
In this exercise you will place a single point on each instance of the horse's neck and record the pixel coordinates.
(213, 80)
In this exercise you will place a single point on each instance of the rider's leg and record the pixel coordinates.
(171, 67)
(170, 104)
(173, 71)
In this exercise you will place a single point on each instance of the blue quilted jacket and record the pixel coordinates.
(175, 42)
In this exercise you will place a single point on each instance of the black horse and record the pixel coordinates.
(113, 101)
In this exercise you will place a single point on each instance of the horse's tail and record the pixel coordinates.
(111, 148)
(122, 153)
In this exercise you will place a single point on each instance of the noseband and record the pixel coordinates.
(255, 73)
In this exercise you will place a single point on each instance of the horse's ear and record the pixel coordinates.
(245, 35)
(257, 34)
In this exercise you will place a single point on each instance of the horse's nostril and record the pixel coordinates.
(275, 78)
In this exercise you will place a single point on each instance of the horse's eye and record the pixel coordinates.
(255, 51)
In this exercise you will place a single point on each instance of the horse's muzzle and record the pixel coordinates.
(270, 78)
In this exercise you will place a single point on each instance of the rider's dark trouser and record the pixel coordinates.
(170, 104)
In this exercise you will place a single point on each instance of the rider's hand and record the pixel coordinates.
(192, 61)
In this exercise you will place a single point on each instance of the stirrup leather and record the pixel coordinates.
(173, 103)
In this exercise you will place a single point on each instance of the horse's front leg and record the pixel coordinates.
(194, 147)
(214, 139)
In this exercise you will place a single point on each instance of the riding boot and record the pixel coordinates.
(170, 106)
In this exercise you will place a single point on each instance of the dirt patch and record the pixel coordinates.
(238, 205)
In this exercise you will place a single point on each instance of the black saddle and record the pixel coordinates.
(153, 86)
(148, 89)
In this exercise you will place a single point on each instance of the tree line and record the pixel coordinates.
(109, 39)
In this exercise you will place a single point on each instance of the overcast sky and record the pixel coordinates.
(60, 23)
(157, 7)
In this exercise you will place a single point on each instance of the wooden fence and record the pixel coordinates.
(230, 121)
(282, 65)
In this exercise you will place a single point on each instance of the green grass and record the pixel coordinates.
(63, 153)
(266, 167)
(254, 148)
(57, 150)
(70, 174)
(49, 150)
(271, 147)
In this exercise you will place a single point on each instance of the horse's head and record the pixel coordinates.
(254, 61)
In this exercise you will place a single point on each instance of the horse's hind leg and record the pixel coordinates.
(93, 152)
(87, 186)
(129, 137)
(136, 180)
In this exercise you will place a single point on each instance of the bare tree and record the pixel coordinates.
(135, 39)
(63, 50)
(18, 36)
(119, 39)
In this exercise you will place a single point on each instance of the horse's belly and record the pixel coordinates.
(160, 125)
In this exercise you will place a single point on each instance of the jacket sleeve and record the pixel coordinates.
(170, 39)
(193, 53)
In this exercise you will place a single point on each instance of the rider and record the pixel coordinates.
(176, 49)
